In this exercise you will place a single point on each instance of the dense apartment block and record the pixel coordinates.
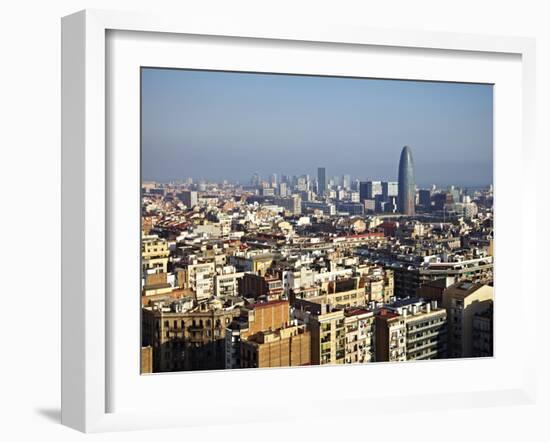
(269, 328)
(359, 324)
(255, 286)
(390, 333)
(283, 347)
(154, 255)
(328, 334)
(426, 330)
(200, 279)
(313, 269)
(411, 329)
(184, 337)
(227, 281)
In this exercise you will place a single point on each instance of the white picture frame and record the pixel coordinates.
(87, 354)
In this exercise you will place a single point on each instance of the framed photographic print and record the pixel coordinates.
(293, 212)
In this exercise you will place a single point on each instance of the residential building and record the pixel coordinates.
(426, 330)
(253, 320)
(189, 198)
(482, 333)
(328, 335)
(186, 338)
(154, 254)
(284, 347)
(463, 301)
(200, 279)
(390, 332)
(360, 335)
(226, 281)
(256, 286)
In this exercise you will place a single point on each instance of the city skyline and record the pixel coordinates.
(190, 118)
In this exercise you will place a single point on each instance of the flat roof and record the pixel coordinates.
(465, 288)
(259, 305)
(356, 311)
(386, 313)
(405, 302)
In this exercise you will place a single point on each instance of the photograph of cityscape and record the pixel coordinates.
(301, 220)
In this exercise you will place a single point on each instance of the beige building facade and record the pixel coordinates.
(463, 301)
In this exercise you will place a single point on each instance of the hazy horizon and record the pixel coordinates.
(219, 125)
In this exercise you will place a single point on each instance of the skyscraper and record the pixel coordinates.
(321, 180)
(406, 187)
(363, 185)
(373, 188)
(346, 182)
(389, 188)
(425, 198)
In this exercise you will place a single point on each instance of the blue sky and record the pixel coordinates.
(222, 125)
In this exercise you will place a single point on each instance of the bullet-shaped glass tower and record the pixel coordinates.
(406, 187)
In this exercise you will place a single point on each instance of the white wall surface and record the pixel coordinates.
(30, 217)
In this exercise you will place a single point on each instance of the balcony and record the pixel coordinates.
(416, 329)
(326, 338)
(423, 347)
(435, 334)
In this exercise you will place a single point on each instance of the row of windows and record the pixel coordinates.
(194, 323)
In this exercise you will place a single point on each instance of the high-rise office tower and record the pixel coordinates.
(389, 188)
(363, 185)
(373, 188)
(282, 189)
(346, 182)
(321, 180)
(301, 184)
(406, 187)
(425, 198)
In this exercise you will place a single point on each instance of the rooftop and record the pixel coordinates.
(386, 313)
(356, 311)
(259, 305)
(465, 288)
(406, 302)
